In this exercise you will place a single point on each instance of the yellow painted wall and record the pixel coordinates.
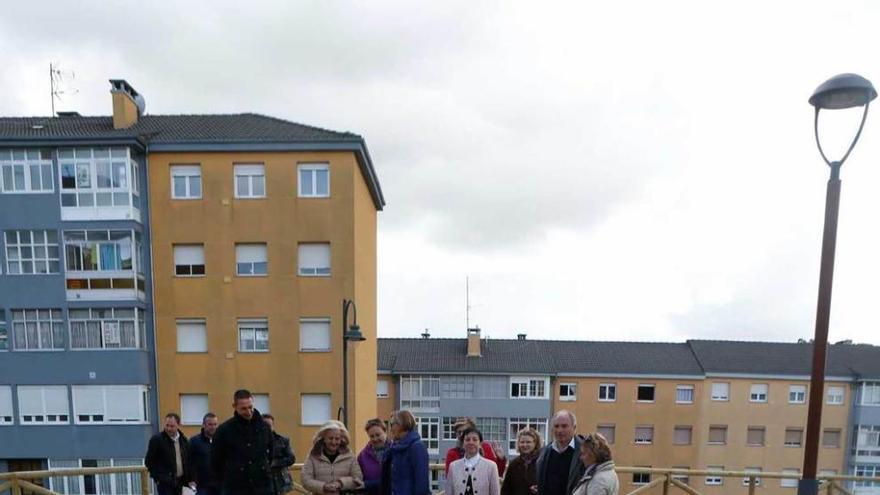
(385, 406)
(281, 220)
(737, 413)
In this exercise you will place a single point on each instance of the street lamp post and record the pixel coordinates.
(839, 92)
(349, 333)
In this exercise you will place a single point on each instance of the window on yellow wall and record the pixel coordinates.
(314, 180)
(382, 389)
(568, 392)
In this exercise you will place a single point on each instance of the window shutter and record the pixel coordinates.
(250, 253)
(124, 403)
(189, 255)
(314, 335)
(315, 409)
(314, 255)
(191, 336)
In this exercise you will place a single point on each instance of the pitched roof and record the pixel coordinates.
(693, 358)
(536, 356)
(778, 358)
(230, 132)
(244, 127)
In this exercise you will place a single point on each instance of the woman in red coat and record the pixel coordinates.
(488, 452)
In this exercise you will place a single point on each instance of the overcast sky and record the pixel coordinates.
(600, 170)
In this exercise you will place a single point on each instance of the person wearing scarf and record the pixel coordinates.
(599, 476)
(522, 475)
(472, 474)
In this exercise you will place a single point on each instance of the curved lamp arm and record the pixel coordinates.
(851, 146)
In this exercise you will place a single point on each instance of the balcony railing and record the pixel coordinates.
(23, 482)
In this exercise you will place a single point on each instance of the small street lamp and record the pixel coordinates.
(349, 333)
(839, 92)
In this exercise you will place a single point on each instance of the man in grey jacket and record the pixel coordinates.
(559, 465)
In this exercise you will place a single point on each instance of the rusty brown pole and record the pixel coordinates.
(823, 315)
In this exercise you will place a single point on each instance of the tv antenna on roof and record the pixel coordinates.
(56, 78)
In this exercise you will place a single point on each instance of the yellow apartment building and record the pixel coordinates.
(733, 406)
(260, 229)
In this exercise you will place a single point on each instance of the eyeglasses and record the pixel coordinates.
(587, 439)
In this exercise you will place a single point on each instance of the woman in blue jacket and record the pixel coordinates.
(405, 466)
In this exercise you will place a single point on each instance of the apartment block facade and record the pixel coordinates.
(262, 228)
(734, 406)
(77, 361)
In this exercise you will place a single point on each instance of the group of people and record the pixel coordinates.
(245, 456)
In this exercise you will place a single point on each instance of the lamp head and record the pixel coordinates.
(843, 91)
(354, 334)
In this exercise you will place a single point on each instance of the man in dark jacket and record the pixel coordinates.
(282, 459)
(200, 457)
(167, 458)
(242, 450)
(559, 466)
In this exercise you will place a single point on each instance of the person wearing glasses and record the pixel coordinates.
(472, 474)
(405, 464)
(599, 476)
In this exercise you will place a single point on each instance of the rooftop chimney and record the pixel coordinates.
(473, 336)
(426, 334)
(128, 104)
(520, 336)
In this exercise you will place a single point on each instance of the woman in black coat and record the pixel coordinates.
(282, 458)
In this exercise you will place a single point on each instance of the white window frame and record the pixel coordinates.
(7, 415)
(717, 388)
(46, 320)
(653, 387)
(870, 395)
(189, 417)
(382, 388)
(494, 429)
(570, 394)
(104, 417)
(314, 168)
(305, 399)
(253, 267)
(87, 159)
(797, 394)
(314, 271)
(643, 441)
(515, 424)
(254, 327)
(685, 388)
(190, 174)
(755, 394)
(119, 484)
(641, 481)
(419, 401)
(535, 387)
(4, 332)
(199, 323)
(836, 396)
(306, 325)
(63, 418)
(16, 249)
(429, 429)
(610, 390)
(251, 174)
(26, 161)
(867, 440)
(447, 428)
(109, 321)
(714, 480)
(191, 267)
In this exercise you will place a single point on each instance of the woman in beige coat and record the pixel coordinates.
(599, 476)
(331, 466)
